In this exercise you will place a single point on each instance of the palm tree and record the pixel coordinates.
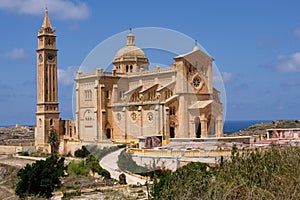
(53, 141)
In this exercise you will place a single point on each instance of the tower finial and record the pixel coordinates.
(46, 22)
(130, 38)
(196, 46)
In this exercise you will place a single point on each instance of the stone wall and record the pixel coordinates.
(172, 163)
(15, 149)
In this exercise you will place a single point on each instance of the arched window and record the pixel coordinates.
(70, 129)
(131, 67)
(51, 122)
(126, 68)
(197, 127)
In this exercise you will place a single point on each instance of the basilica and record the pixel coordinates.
(131, 101)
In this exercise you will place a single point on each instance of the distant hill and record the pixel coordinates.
(16, 135)
(260, 129)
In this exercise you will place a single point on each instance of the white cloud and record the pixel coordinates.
(62, 9)
(16, 54)
(66, 77)
(225, 77)
(288, 63)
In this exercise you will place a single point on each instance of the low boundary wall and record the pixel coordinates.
(5, 149)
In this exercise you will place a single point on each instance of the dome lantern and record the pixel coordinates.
(130, 38)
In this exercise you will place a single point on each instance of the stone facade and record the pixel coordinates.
(132, 101)
(47, 114)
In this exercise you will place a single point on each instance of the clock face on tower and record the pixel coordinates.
(50, 57)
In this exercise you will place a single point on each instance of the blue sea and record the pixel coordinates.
(235, 126)
(230, 125)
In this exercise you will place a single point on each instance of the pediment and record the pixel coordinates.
(196, 58)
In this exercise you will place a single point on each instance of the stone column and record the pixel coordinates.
(77, 112)
(203, 128)
(167, 124)
(141, 112)
(100, 91)
(156, 119)
(219, 129)
(114, 95)
(125, 124)
(95, 102)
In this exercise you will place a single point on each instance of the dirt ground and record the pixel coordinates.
(9, 167)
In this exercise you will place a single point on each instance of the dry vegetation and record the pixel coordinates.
(271, 174)
(8, 177)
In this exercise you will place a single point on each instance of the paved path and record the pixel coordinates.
(109, 163)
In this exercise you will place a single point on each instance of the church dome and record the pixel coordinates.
(130, 51)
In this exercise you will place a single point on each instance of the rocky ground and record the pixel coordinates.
(9, 167)
(16, 135)
(85, 188)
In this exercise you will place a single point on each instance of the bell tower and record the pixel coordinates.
(47, 114)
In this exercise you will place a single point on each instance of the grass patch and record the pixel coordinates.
(78, 168)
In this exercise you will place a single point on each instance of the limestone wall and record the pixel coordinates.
(172, 163)
(15, 149)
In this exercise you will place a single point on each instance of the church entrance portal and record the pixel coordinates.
(108, 134)
(172, 132)
(197, 127)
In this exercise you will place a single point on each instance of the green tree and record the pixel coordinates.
(82, 153)
(53, 141)
(40, 178)
(93, 164)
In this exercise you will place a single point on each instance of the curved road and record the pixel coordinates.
(109, 163)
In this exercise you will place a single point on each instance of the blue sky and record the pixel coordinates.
(255, 44)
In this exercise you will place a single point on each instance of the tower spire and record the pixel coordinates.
(46, 22)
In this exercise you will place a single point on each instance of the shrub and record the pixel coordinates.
(270, 174)
(40, 178)
(78, 168)
(189, 182)
(24, 153)
(100, 153)
(82, 153)
(82, 168)
(93, 164)
(125, 162)
(121, 146)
